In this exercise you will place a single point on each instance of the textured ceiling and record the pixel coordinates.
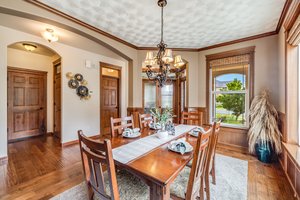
(188, 24)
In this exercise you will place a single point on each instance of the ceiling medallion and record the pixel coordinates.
(163, 57)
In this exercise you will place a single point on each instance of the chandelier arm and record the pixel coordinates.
(162, 24)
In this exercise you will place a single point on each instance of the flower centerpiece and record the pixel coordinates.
(162, 117)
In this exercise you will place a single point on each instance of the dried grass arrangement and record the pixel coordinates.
(263, 123)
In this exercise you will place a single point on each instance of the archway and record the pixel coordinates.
(33, 93)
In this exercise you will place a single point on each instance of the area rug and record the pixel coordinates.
(231, 176)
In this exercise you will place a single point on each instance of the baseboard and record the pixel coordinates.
(3, 160)
(73, 142)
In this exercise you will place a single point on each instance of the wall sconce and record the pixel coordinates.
(49, 35)
(29, 47)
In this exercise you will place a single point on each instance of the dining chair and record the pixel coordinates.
(118, 124)
(193, 178)
(192, 118)
(100, 174)
(210, 165)
(145, 120)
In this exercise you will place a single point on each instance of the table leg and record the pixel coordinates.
(159, 192)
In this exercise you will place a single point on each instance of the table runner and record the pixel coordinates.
(133, 150)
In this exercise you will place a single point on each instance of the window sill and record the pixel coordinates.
(234, 127)
(294, 152)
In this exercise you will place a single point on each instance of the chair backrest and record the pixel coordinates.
(198, 166)
(213, 145)
(95, 155)
(192, 118)
(145, 120)
(118, 124)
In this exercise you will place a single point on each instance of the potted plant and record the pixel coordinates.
(162, 118)
(264, 136)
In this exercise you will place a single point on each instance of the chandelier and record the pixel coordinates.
(163, 57)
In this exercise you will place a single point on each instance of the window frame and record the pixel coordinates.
(237, 52)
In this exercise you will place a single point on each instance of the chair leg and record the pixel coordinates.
(201, 189)
(213, 172)
(90, 192)
(207, 188)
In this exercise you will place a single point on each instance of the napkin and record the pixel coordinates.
(179, 145)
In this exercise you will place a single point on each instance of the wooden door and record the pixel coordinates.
(27, 90)
(109, 102)
(57, 100)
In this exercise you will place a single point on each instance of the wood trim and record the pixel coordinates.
(247, 50)
(119, 69)
(239, 40)
(283, 14)
(230, 53)
(54, 64)
(73, 142)
(292, 14)
(290, 168)
(93, 28)
(32, 71)
(3, 160)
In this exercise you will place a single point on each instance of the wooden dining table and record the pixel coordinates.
(159, 167)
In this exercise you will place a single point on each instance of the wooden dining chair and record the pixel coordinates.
(95, 154)
(119, 124)
(210, 165)
(195, 181)
(100, 174)
(145, 120)
(192, 118)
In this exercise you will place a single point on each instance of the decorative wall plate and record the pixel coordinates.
(82, 91)
(78, 77)
(73, 83)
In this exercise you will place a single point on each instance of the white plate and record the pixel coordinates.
(189, 148)
(133, 135)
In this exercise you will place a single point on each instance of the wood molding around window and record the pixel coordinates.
(247, 50)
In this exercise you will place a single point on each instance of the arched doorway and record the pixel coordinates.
(33, 90)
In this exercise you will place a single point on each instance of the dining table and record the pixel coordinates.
(150, 159)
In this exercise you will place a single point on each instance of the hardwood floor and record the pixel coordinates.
(40, 168)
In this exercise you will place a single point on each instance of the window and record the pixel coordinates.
(229, 88)
(149, 96)
(155, 96)
(228, 94)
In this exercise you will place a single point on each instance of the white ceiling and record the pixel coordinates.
(188, 24)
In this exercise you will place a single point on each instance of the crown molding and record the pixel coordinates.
(93, 28)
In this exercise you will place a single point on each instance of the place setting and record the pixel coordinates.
(195, 132)
(180, 146)
(131, 133)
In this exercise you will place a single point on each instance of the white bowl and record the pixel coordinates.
(162, 134)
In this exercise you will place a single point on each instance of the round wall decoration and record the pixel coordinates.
(82, 91)
(77, 82)
(73, 83)
(78, 77)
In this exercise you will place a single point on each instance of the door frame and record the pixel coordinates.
(114, 67)
(32, 71)
(55, 63)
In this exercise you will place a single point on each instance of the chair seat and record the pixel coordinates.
(130, 187)
(179, 186)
